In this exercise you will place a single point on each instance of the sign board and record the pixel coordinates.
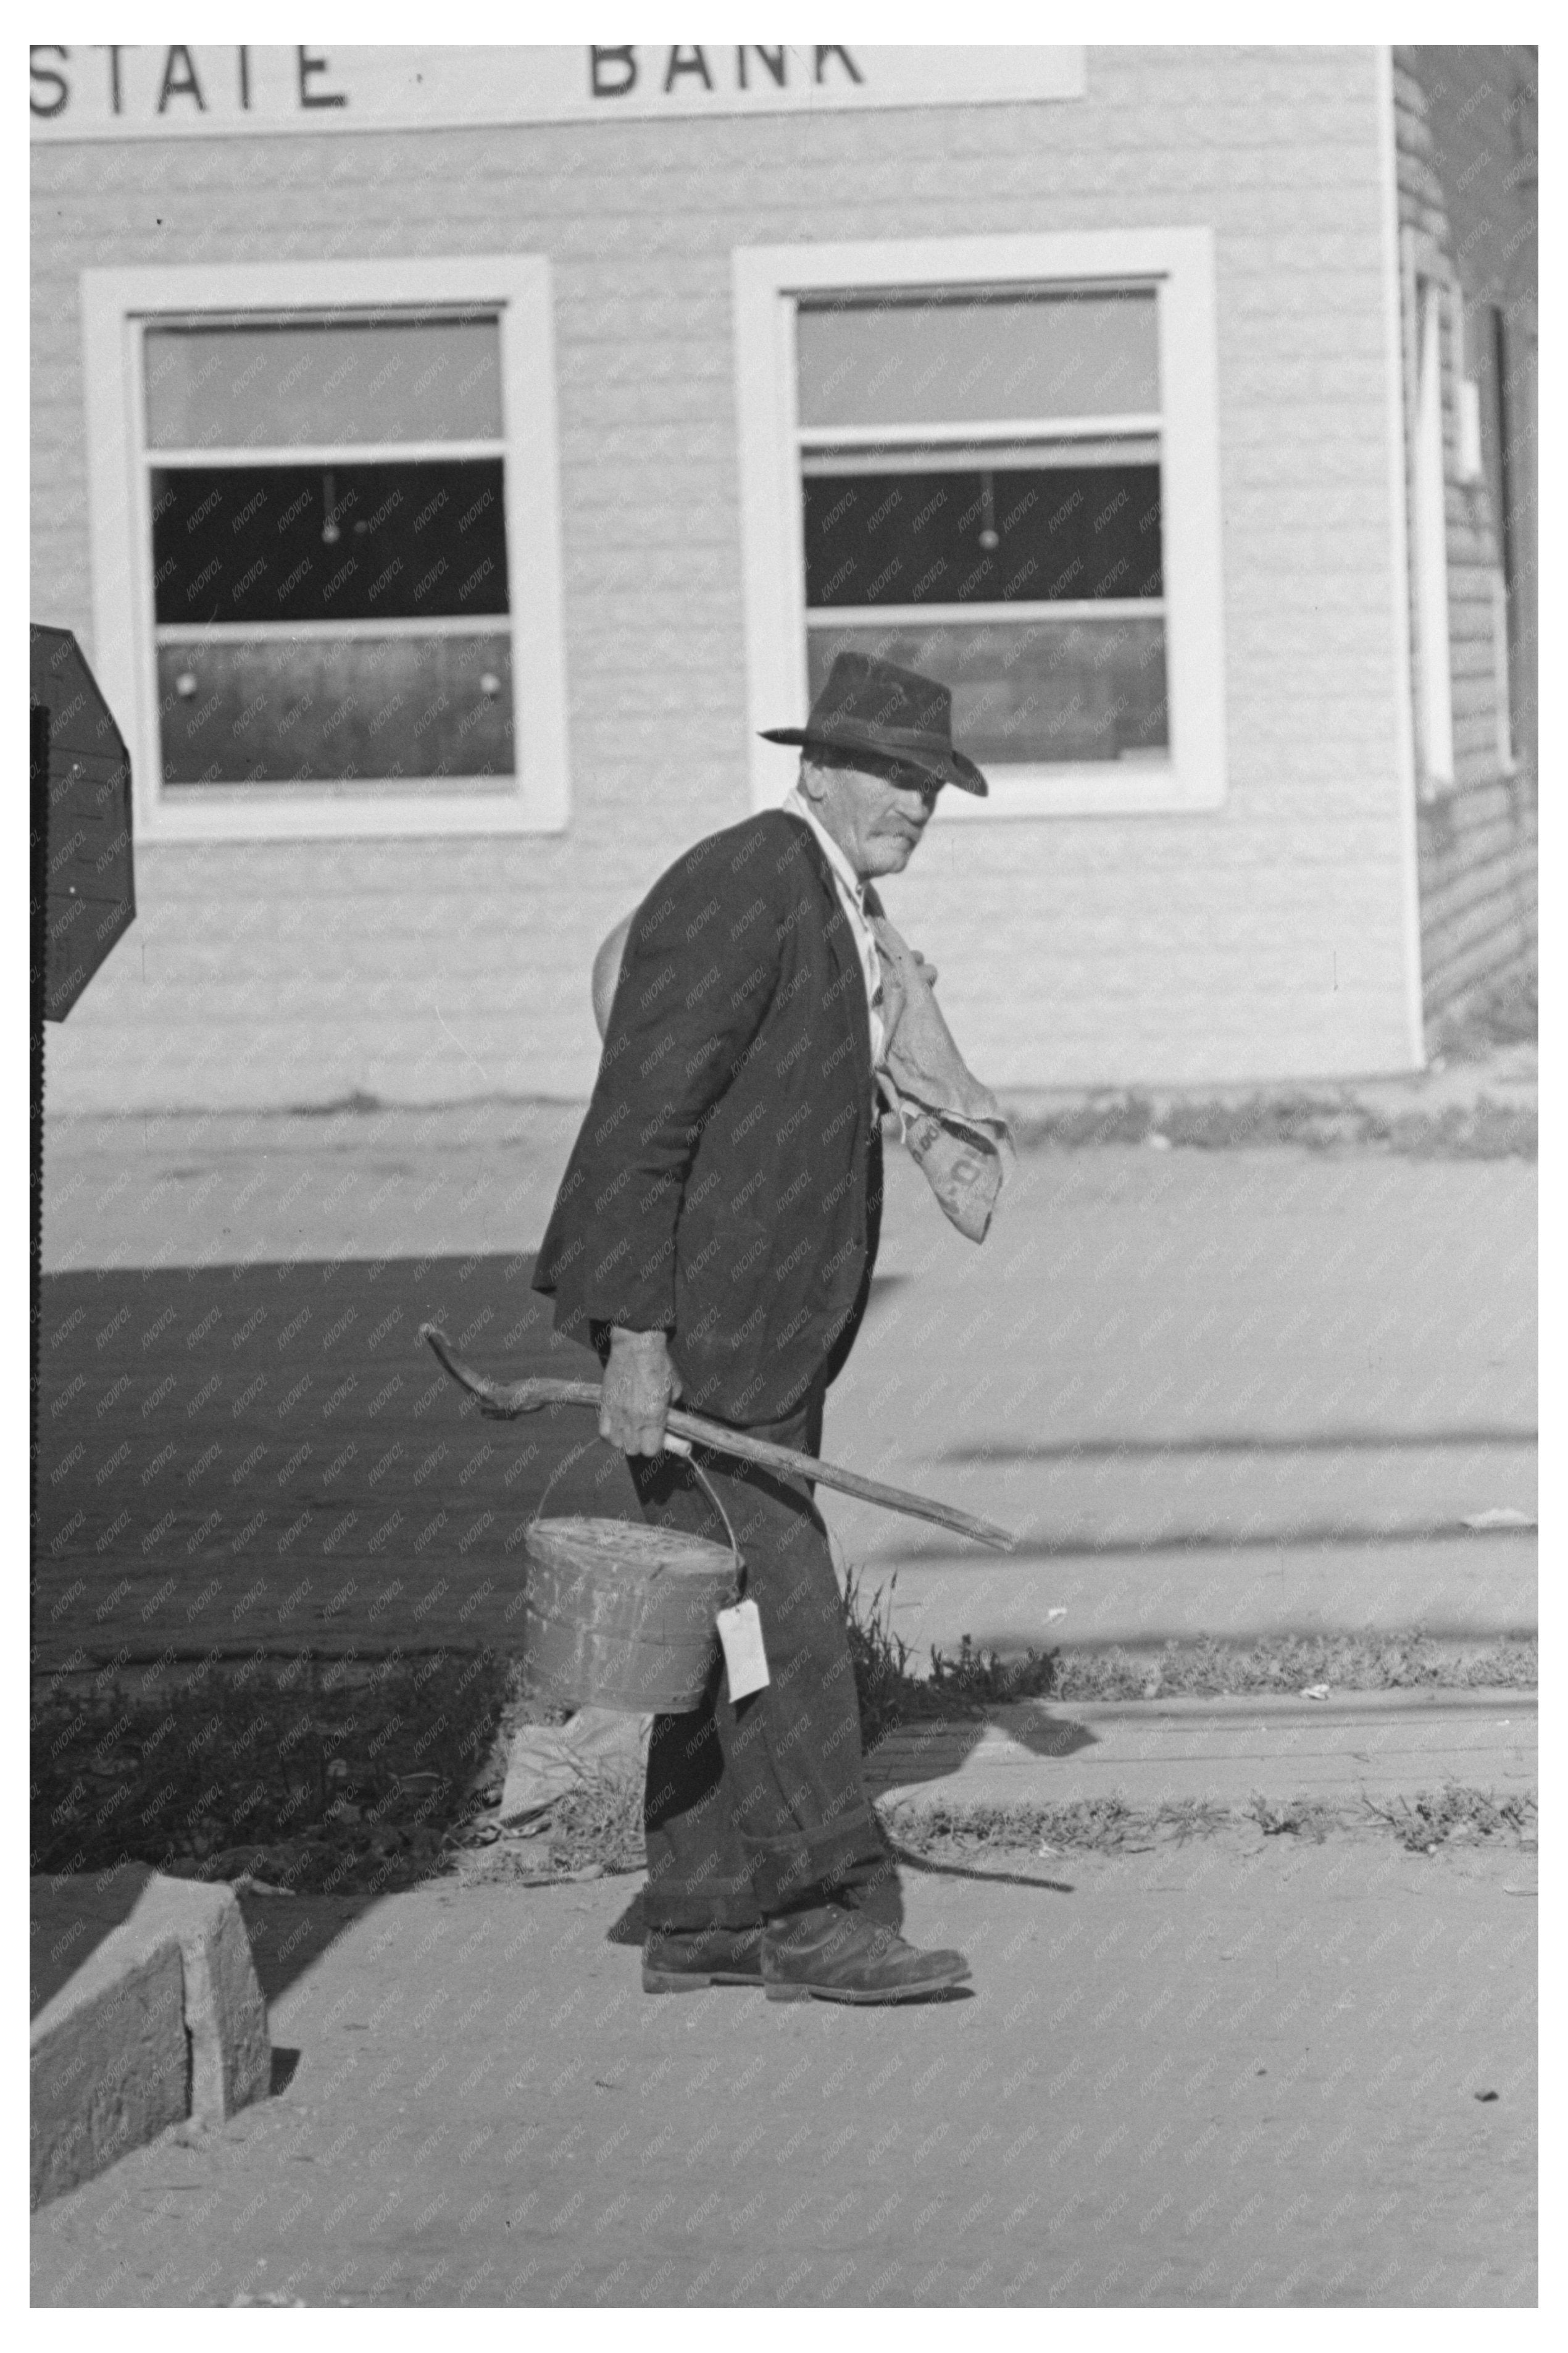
(98, 91)
(81, 810)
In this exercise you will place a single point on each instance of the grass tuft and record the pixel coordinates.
(1483, 1130)
(1431, 1820)
(952, 1831)
(985, 1679)
(892, 1690)
(1292, 1662)
(945, 1830)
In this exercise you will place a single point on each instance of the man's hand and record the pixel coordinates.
(640, 1382)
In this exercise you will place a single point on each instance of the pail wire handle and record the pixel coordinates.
(682, 1446)
(574, 1454)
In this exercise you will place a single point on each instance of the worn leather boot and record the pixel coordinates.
(684, 1960)
(833, 1953)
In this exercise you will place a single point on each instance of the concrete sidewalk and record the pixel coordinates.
(507, 2130)
(1251, 2072)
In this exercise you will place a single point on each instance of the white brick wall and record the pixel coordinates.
(1262, 940)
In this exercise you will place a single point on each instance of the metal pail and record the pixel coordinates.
(621, 1616)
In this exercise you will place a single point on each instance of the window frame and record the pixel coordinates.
(1178, 264)
(1429, 471)
(117, 305)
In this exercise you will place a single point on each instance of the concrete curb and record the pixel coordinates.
(162, 2018)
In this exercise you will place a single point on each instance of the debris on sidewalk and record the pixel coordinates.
(547, 1761)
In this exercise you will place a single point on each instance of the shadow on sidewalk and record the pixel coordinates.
(931, 1750)
(71, 1917)
(1326, 1442)
(1035, 1725)
(287, 1934)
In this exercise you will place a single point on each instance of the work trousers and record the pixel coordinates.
(759, 1807)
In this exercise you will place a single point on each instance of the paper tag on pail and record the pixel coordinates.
(741, 1631)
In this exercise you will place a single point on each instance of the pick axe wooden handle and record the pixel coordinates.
(505, 1400)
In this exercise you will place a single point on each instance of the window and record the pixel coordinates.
(1431, 520)
(328, 593)
(995, 461)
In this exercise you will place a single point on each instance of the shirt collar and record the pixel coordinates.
(796, 804)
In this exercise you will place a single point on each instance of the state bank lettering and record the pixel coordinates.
(122, 92)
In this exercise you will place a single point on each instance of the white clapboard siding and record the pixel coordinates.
(1266, 938)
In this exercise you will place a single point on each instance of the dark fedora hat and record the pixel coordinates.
(897, 718)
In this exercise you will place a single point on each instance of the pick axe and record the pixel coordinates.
(507, 1400)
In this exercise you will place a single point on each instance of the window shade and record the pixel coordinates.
(952, 362)
(255, 386)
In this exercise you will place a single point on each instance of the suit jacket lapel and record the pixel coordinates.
(847, 957)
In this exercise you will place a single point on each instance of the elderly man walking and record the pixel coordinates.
(714, 1238)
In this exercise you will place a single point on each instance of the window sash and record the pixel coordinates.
(866, 448)
(979, 457)
(1092, 693)
(117, 305)
(978, 430)
(319, 453)
(435, 625)
(422, 638)
(303, 715)
(770, 284)
(1088, 608)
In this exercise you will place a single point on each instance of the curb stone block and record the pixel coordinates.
(109, 2074)
(161, 2018)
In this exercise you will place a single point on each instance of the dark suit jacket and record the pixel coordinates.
(726, 1184)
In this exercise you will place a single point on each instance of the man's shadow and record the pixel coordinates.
(919, 1752)
(924, 1749)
